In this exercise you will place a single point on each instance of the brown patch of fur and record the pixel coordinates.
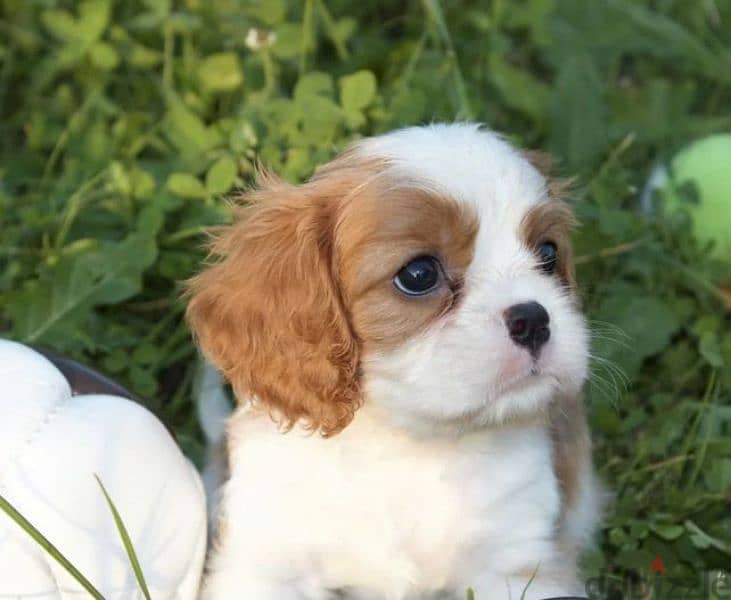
(378, 238)
(542, 161)
(552, 221)
(571, 445)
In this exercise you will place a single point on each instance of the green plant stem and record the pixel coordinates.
(690, 274)
(709, 399)
(50, 549)
(126, 540)
(408, 71)
(329, 22)
(180, 397)
(433, 9)
(307, 35)
(185, 234)
(167, 65)
(74, 204)
(608, 252)
(64, 137)
(268, 67)
(625, 144)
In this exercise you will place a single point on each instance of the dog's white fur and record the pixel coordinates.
(444, 479)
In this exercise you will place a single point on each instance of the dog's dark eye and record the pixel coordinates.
(418, 277)
(548, 254)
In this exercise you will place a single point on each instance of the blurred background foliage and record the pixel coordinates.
(123, 123)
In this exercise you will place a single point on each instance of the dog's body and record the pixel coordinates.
(414, 304)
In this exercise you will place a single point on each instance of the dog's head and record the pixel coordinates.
(426, 273)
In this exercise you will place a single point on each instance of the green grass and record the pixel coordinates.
(13, 513)
(122, 124)
(126, 541)
(48, 547)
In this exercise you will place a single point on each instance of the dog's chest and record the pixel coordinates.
(383, 512)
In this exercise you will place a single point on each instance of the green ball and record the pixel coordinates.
(706, 166)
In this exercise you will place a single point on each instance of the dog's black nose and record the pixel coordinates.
(527, 324)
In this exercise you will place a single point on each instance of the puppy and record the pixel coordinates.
(404, 340)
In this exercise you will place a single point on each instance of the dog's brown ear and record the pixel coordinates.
(268, 312)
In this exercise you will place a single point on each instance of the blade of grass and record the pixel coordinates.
(126, 541)
(44, 543)
(709, 401)
(707, 539)
(329, 23)
(530, 581)
(307, 34)
(433, 10)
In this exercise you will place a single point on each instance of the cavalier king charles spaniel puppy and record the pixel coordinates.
(404, 339)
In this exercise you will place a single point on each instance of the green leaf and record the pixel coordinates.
(187, 132)
(320, 119)
(703, 540)
(288, 41)
(578, 124)
(668, 531)
(145, 354)
(92, 21)
(141, 57)
(519, 88)
(182, 22)
(313, 83)
(126, 540)
(604, 417)
(221, 176)
(718, 476)
(161, 7)
(662, 34)
(104, 56)
(647, 322)
(143, 381)
(48, 547)
(341, 31)
(186, 186)
(60, 24)
(150, 220)
(242, 137)
(143, 183)
(61, 299)
(357, 91)
(93, 18)
(297, 164)
(269, 12)
(220, 72)
(710, 349)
